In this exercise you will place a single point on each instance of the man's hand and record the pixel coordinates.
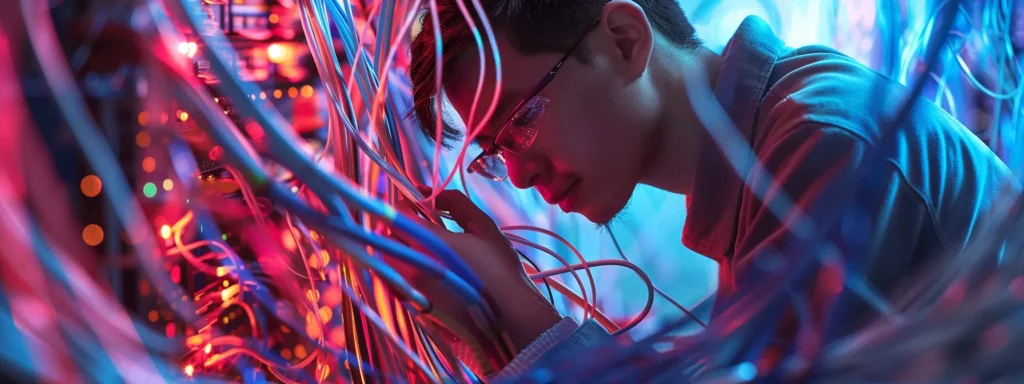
(523, 313)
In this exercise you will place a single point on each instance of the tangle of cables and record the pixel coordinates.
(240, 162)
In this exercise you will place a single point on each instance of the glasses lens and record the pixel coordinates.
(491, 166)
(522, 128)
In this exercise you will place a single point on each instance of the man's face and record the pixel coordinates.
(591, 141)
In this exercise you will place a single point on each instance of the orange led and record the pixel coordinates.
(292, 92)
(182, 115)
(91, 185)
(307, 91)
(153, 316)
(277, 93)
(300, 352)
(274, 18)
(208, 348)
(144, 118)
(92, 234)
(149, 164)
(189, 370)
(165, 231)
(142, 139)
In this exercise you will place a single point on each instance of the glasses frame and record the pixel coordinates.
(494, 149)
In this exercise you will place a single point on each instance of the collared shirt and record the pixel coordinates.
(818, 171)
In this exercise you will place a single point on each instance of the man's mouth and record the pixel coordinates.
(568, 199)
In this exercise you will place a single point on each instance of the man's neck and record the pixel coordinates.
(678, 137)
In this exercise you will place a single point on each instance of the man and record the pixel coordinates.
(773, 147)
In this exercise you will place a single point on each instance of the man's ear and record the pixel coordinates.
(629, 37)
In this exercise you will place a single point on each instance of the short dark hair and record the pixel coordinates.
(531, 26)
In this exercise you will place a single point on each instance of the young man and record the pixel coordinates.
(772, 146)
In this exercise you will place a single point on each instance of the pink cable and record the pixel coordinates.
(586, 268)
(621, 263)
(490, 110)
(583, 291)
(601, 318)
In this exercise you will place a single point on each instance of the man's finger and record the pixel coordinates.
(467, 215)
(406, 208)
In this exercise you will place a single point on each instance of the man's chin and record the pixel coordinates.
(603, 218)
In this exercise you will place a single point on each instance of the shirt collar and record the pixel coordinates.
(712, 206)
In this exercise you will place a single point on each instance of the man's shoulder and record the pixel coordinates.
(820, 86)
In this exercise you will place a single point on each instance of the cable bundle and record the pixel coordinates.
(302, 256)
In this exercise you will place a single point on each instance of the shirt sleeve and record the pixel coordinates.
(565, 337)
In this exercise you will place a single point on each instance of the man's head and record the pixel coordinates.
(584, 140)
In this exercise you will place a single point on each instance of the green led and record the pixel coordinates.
(224, 236)
(149, 189)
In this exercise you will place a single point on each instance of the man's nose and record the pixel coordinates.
(523, 172)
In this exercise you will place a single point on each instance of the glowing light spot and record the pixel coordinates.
(300, 352)
(171, 330)
(332, 297)
(337, 336)
(176, 274)
(307, 91)
(91, 185)
(263, 95)
(216, 99)
(288, 241)
(224, 236)
(277, 94)
(286, 353)
(226, 284)
(182, 115)
(326, 370)
(208, 348)
(192, 49)
(312, 327)
(292, 92)
(225, 320)
(295, 189)
(326, 314)
(254, 130)
(149, 190)
(168, 184)
(142, 139)
(189, 370)
(274, 18)
(92, 234)
(144, 118)
(216, 153)
(149, 164)
(153, 316)
(183, 47)
(164, 117)
(746, 371)
(165, 231)
(276, 53)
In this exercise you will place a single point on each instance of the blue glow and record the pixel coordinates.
(746, 371)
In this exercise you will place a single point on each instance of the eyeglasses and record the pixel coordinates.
(519, 129)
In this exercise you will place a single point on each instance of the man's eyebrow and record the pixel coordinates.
(505, 103)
